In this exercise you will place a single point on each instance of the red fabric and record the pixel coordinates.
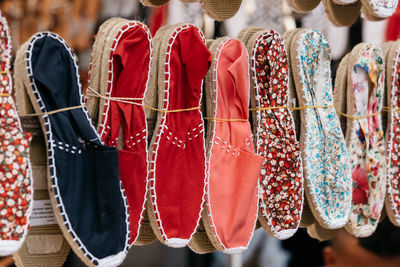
(393, 26)
(234, 168)
(158, 18)
(130, 74)
(180, 157)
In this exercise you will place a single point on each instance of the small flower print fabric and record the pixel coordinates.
(325, 156)
(15, 175)
(281, 178)
(381, 8)
(232, 166)
(393, 135)
(366, 147)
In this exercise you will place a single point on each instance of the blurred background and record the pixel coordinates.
(77, 22)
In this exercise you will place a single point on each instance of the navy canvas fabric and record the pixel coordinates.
(88, 182)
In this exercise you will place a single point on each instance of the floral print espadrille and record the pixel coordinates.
(325, 156)
(303, 6)
(281, 178)
(364, 137)
(15, 173)
(393, 132)
(84, 184)
(177, 151)
(307, 217)
(379, 9)
(233, 168)
(342, 14)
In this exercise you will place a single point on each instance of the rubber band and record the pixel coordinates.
(358, 118)
(5, 94)
(293, 109)
(223, 119)
(130, 100)
(52, 112)
(4, 72)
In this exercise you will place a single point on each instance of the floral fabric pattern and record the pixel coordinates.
(383, 8)
(15, 177)
(366, 148)
(393, 186)
(281, 178)
(325, 155)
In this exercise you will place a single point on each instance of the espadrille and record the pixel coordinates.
(281, 178)
(98, 85)
(344, 2)
(221, 9)
(15, 172)
(200, 243)
(364, 136)
(128, 54)
(293, 101)
(378, 10)
(307, 217)
(93, 103)
(85, 189)
(320, 233)
(103, 71)
(339, 94)
(157, 3)
(147, 235)
(392, 202)
(303, 6)
(217, 9)
(325, 156)
(154, 3)
(342, 15)
(245, 34)
(340, 91)
(233, 168)
(177, 152)
(44, 244)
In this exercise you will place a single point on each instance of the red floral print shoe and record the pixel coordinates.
(281, 178)
(15, 173)
(392, 203)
